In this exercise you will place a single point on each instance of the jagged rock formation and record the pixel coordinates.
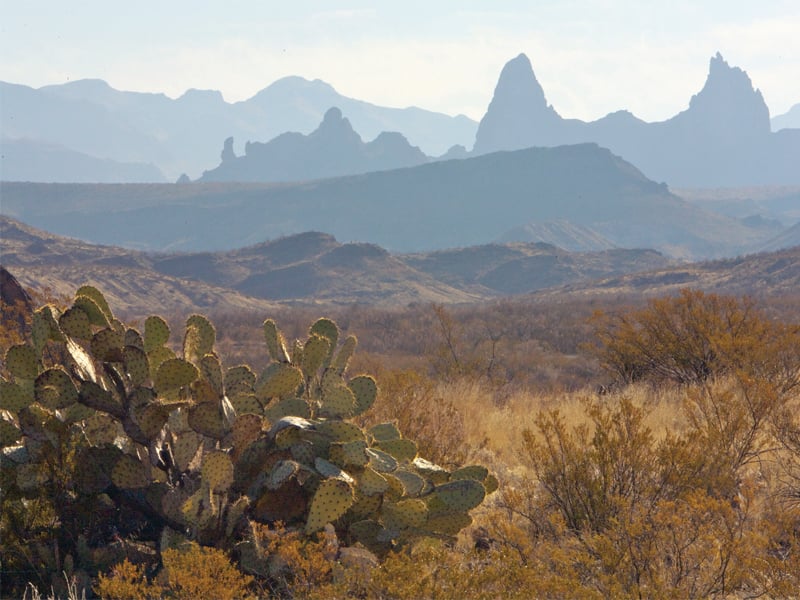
(722, 139)
(333, 149)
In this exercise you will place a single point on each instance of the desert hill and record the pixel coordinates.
(445, 204)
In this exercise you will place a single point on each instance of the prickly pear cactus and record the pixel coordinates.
(129, 437)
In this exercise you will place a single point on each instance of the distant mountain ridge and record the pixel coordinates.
(333, 149)
(443, 204)
(724, 137)
(184, 135)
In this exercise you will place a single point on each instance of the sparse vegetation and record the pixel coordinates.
(679, 480)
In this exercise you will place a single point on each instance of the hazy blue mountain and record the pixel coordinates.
(562, 234)
(27, 160)
(183, 135)
(332, 149)
(444, 204)
(722, 139)
(788, 120)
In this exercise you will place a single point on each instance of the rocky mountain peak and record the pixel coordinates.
(518, 115)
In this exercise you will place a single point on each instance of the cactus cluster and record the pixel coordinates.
(188, 450)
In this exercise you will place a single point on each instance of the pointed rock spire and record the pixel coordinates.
(518, 116)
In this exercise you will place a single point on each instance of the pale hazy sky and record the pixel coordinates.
(591, 56)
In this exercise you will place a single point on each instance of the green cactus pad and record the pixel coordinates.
(365, 391)
(10, 434)
(372, 535)
(97, 297)
(431, 471)
(339, 364)
(211, 369)
(331, 500)
(54, 389)
(15, 397)
(100, 429)
(200, 509)
(365, 506)
(491, 484)
(49, 315)
(337, 401)
(331, 471)
(129, 473)
(288, 407)
(410, 513)
(448, 523)
(370, 482)
(315, 351)
(239, 380)
(40, 331)
(327, 329)
(22, 362)
(136, 364)
(173, 374)
(381, 461)
(156, 333)
(403, 450)
(75, 323)
(275, 344)
(93, 311)
(281, 472)
(246, 429)
(303, 452)
(156, 357)
(151, 419)
(413, 484)
(461, 495)
(93, 396)
(172, 503)
(134, 338)
(279, 380)
(184, 448)
(107, 345)
(206, 418)
(217, 470)
(200, 337)
(340, 431)
(246, 403)
(476, 472)
(347, 454)
(384, 432)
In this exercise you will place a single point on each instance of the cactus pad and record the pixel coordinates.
(413, 484)
(184, 448)
(202, 341)
(206, 418)
(370, 482)
(211, 369)
(101, 429)
(331, 500)
(156, 333)
(275, 344)
(288, 407)
(279, 380)
(217, 470)
(239, 380)
(21, 361)
(410, 513)
(54, 389)
(97, 297)
(315, 351)
(329, 470)
(384, 431)
(344, 355)
(349, 453)
(246, 430)
(15, 397)
(431, 471)
(491, 484)
(448, 523)
(476, 472)
(340, 431)
(461, 495)
(74, 322)
(403, 450)
(173, 374)
(93, 311)
(136, 364)
(245, 403)
(93, 396)
(134, 338)
(381, 461)
(10, 434)
(327, 329)
(107, 345)
(40, 331)
(281, 473)
(129, 473)
(151, 418)
(365, 391)
(337, 401)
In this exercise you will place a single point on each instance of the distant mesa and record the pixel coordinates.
(723, 138)
(333, 149)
